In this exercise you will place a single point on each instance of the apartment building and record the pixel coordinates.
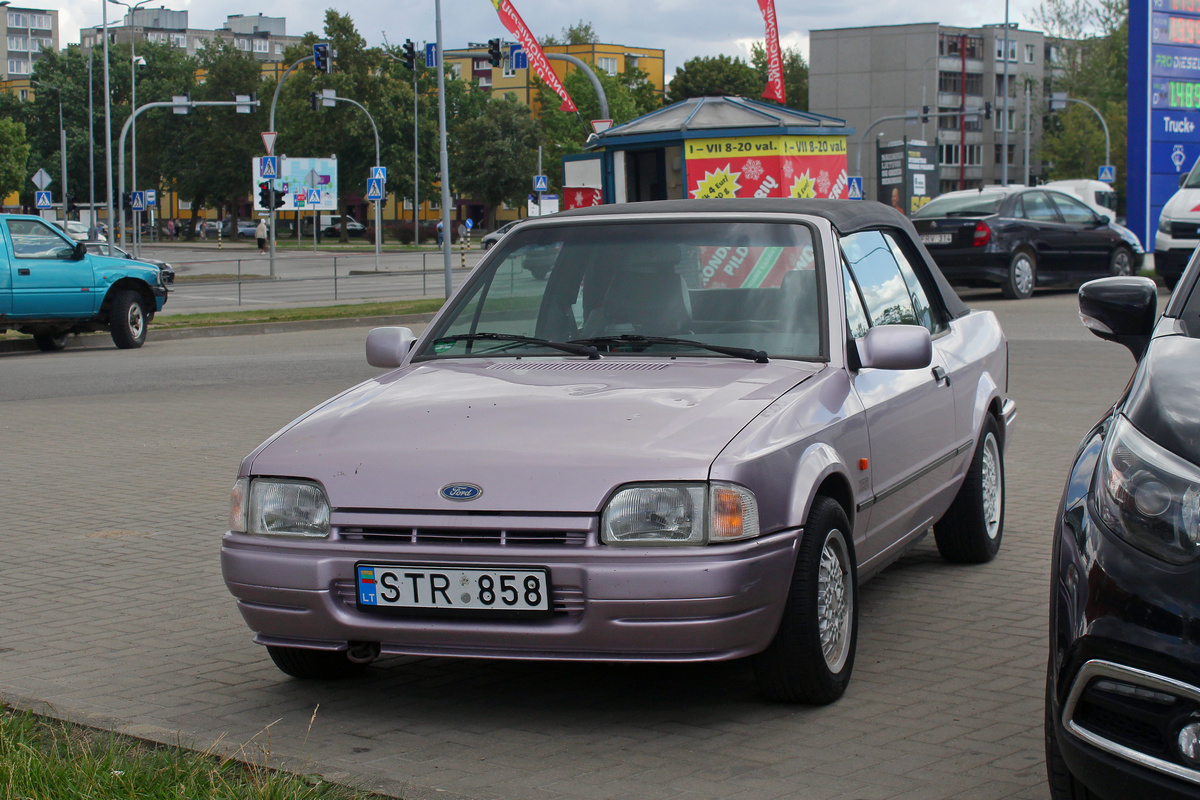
(263, 37)
(863, 74)
(29, 31)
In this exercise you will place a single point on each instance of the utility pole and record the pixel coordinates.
(445, 156)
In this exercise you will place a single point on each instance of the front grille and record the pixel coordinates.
(452, 536)
(1120, 723)
(567, 600)
(1185, 230)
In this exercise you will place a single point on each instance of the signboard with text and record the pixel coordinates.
(766, 166)
(1164, 107)
(292, 181)
(907, 175)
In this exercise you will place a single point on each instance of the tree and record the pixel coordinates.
(705, 76)
(14, 153)
(496, 154)
(795, 75)
(580, 33)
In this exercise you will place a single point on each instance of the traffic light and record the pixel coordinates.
(410, 55)
(924, 113)
(127, 201)
(264, 194)
(280, 200)
(987, 110)
(71, 207)
(383, 201)
(321, 57)
(494, 52)
(314, 100)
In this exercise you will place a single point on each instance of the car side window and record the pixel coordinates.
(1073, 211)
(856, 316)
(1038, 207)
(32, 238)
(878, 275)
(927, 315)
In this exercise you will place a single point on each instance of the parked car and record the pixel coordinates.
(1123, 677)
(165, 271)
(1178, 228)
(691, 442)
(79, 231)
(51, 287)
(245, 228)
(1100, 198)
(489, 239)
(1020, 238)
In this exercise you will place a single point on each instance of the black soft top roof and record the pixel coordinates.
(846, 216)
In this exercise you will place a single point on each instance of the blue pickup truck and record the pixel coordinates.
(51, 287)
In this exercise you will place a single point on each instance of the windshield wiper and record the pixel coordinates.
(757, 356)
(567, 347)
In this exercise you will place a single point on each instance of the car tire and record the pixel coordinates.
(1021, 277)
(313, 664)
(127, 320)
(50, 342)
(971, 530)
(1120, 263)
(1063, 785)
(810, 659)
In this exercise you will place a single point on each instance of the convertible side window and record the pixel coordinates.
(927, 314)
(883, 287)
(856, 316)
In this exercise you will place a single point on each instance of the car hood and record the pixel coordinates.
(1184, 204)
(1162, 397)
(551, 435)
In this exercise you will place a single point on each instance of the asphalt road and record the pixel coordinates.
(114, 475)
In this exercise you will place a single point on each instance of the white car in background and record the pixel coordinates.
(79, 231)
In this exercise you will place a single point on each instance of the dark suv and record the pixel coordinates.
(1123, 682)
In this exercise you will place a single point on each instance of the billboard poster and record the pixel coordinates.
(766, 166)
(292, 183)
(907, 175)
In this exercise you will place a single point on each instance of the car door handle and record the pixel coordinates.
(940, 376)
(22, 271)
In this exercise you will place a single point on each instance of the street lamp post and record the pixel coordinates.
(378, 209)
(108, 185)
(132, 104)
(62, 145)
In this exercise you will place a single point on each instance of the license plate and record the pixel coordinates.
(937, 238)
(480, 590)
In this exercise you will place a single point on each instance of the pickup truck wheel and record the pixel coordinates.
(970, 531)
(50, 342)
(127, 320)
(812, 655)
(313, 664)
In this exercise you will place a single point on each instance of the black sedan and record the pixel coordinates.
(1123, 677)
(165, 271)
(1020, 238)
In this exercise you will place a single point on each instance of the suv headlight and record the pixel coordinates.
(279, 507)
(1164, 224)
(1148, 496)
(679, 514)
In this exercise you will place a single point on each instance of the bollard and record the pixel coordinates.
(239, 272)
(219, 238)
(335, 297)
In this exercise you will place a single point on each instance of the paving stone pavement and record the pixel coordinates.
(116, 614)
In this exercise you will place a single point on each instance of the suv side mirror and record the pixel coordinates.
(896, 347)
(389, 347)
(1120, 310)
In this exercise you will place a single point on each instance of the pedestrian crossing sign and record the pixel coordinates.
(268, 167)
(314, 196)
(855, 188)
(375, 189)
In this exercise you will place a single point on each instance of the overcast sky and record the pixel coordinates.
(683, 28)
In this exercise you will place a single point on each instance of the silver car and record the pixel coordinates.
(692, 440)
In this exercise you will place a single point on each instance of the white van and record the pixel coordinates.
(1097, 194)
(1178, 229)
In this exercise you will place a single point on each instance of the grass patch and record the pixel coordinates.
(44, 759)
(257, 315)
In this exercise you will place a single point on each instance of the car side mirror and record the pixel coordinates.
(1120, 310)
(389, 347)
(896, 347)
(1104, 219)
(80, 252)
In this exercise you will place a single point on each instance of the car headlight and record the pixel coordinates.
(1164, 224)
(279, 507)
(679, 514)
(1148, 496)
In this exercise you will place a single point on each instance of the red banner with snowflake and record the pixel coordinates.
(767, 166)
(576, 197)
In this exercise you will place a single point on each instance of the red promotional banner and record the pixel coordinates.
(767, 166)
(774, 90)
(537, 59)
(581, 198)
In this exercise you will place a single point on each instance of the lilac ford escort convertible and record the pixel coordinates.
(690, 439)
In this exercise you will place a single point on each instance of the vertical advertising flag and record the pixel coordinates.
(537, 59)
(774, 90)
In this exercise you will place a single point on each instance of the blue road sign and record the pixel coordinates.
(540, 183)
(431, 54)
(151, 198)
(268, 167)
(518, 57)
(42, 199)
(374, 189)
(379, 174)
(314, 196)
(470, 223)
(855, 188)
(139, 201)
(1107, 173)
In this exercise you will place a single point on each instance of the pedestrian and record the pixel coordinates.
(439, 230)
(260, 233)
(171, 229)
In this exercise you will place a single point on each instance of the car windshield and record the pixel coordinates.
(962, 205)
(650, 288)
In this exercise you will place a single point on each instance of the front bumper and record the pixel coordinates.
(708, 603)
(1124, 661)
(1171, 255)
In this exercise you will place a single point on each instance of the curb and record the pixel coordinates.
(101, 340)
